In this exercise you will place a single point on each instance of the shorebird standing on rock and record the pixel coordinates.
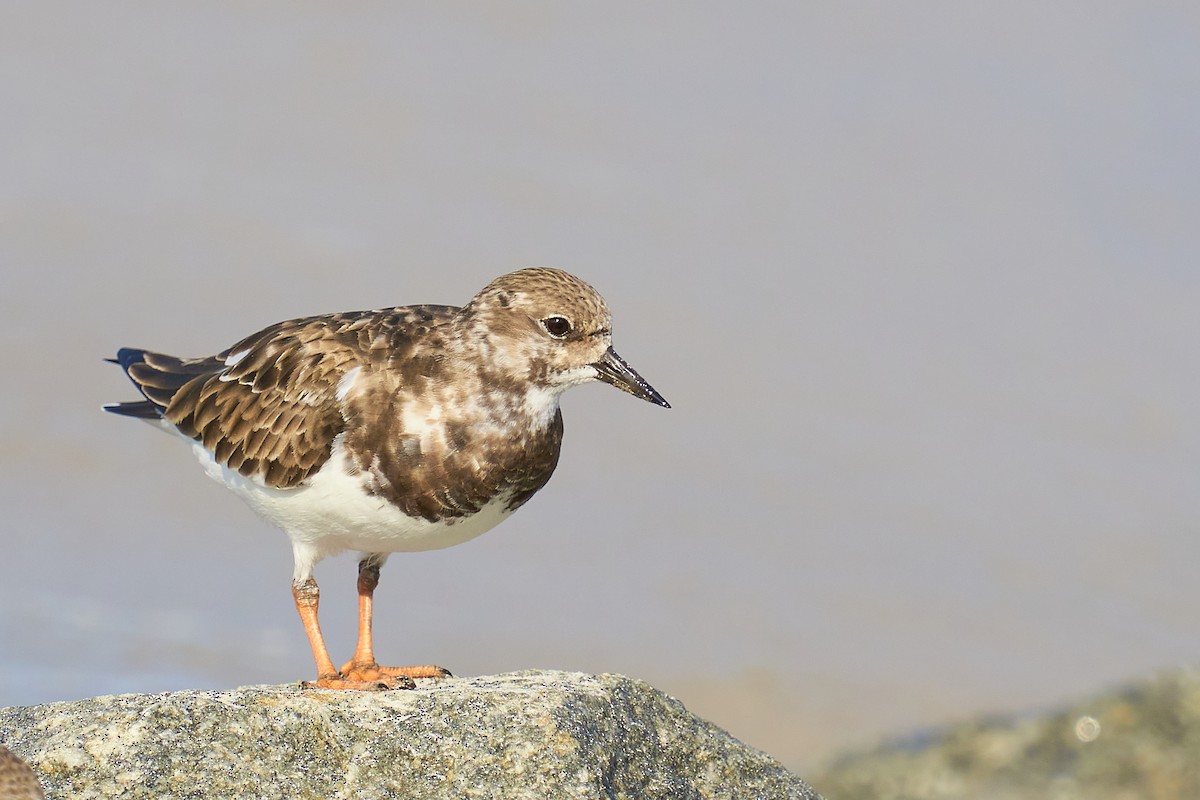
(398, 430)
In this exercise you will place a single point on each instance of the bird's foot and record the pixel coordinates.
(380, 683)
(370, 671)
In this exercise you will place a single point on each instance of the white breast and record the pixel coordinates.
(333, 512)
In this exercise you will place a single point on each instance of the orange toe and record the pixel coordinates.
(360, 683)
(370, 671)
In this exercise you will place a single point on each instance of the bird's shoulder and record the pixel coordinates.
(298, 352)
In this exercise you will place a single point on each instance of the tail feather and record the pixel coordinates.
(158, 377)
(128, 356)
(142, 409)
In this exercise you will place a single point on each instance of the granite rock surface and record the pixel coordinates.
(520, 735)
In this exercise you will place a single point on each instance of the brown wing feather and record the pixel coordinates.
(273, 413)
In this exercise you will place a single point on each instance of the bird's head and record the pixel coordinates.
(554, 329)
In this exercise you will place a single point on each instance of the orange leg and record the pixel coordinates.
(363, 667)
(307, 597)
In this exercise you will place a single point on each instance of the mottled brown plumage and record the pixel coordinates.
(17, 781)
(406, 428)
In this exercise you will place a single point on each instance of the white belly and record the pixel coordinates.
(332, 512)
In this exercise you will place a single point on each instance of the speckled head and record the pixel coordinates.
(556, 328)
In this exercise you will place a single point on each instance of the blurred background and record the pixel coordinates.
(920, 281)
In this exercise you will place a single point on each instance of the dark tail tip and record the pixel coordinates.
(142, 409)
(127, 357)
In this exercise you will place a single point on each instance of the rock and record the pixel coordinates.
(1139, 742)
(522, 735)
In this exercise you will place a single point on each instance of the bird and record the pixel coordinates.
(17, 781)
(401, 429)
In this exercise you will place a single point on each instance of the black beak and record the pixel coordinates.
(613, 369)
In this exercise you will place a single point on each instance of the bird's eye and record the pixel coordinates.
(558, 327)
